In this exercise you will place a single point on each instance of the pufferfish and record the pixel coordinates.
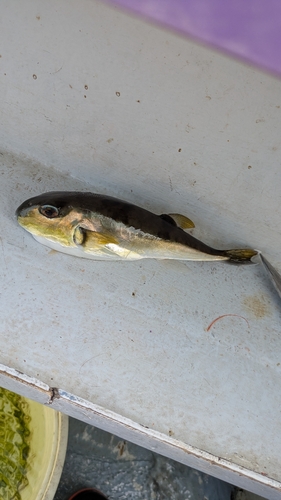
(96, 226)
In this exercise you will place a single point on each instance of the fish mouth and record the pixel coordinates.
(21, 213)
(18, 212)
(23, 209)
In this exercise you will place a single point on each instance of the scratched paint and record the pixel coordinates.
(225, 316)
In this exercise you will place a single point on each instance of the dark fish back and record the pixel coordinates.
(133, 216)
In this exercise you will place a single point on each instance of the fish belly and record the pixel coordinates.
(78, 251)
(138, 248)
(159, 249)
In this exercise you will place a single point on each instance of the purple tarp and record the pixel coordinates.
(249, 29)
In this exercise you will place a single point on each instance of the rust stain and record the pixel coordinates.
(121, 447)
(224, 316)
(257, 306)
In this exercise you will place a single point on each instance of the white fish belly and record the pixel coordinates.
(161, 249)
(156, 248)
(77, 251)
(139, 248)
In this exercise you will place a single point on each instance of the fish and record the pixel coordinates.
(100, 227)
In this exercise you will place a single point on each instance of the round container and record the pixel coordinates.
(33, 446)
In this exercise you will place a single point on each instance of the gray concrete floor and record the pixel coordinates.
(122, 470)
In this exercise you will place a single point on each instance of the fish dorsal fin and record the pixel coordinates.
(92, 240)
(179, 220)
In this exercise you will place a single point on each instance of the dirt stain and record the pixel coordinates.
(257, 306)
(121, 447)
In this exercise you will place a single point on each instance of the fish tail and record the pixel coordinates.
(240, 255)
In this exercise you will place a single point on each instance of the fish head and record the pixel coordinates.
(51, 217)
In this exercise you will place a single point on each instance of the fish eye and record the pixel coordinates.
(49, 211)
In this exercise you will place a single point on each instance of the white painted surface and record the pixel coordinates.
(133, 338)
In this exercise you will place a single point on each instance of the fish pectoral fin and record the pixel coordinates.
(92, 240)
(179, 220)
